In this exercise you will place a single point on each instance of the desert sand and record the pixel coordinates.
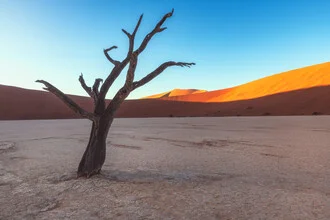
(173, 168)
(293, 80)
(303, 91)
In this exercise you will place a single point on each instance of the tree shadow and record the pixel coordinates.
(137, 177)
(146, 176)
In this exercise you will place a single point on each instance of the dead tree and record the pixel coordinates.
(102, 117)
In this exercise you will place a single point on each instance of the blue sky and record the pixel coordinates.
(232, 42)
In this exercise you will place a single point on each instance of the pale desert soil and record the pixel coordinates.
(170, 168)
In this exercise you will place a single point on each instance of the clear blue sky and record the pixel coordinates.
(232, 41)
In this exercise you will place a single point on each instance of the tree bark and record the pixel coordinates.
(94, 155)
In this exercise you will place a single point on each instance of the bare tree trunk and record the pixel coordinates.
(94, 156)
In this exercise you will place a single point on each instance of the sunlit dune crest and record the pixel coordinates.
(175, 92)
(303, 78)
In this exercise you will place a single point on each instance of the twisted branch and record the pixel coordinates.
(158, 71)
(158, 28)
(96, 86)
(69, 102)
(94, 91)
(126, 89)
(131, 37)
(120, 65)
(105, 51)
(85, 87)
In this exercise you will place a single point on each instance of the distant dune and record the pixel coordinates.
(304, 91)
(303, 78)
(175, 92)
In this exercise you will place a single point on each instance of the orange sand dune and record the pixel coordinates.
(303, 91)
(175, 92)
(303, 78)
(17, 103)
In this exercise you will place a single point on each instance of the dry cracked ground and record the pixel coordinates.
(171, 168)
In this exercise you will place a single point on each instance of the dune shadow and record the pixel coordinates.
(40, 105)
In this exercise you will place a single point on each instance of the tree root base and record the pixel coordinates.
(88, 174)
